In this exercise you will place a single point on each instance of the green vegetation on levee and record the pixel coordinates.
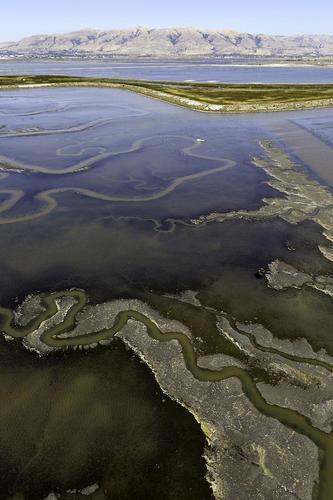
(227, 94)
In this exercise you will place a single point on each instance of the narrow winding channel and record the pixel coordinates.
(48, 199)
(286, 416)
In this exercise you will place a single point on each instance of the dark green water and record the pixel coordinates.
(74, 420)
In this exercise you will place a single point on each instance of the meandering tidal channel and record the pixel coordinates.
(51, 337)
(84, 185)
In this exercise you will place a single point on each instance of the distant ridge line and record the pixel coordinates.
(175, 43)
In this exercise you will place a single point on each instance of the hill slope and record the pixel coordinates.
(172, 42)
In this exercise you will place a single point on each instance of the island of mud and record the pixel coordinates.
(281, 276)
(305, 199)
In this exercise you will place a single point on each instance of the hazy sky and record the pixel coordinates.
(25, 17)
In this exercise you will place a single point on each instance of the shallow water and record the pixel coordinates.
(149, 146)
(130, 236)
(106, 422)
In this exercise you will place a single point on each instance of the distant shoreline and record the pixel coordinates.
(251, 63)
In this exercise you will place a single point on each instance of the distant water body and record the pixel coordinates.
(177, 71)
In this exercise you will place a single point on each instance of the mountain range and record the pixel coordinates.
(171, 43)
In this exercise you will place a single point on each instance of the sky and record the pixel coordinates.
(21, 18)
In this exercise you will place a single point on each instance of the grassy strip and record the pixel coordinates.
(201, 95)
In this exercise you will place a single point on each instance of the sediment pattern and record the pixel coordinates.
(6, 134)
(305, 199)
(48, 199)
(245, 421)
